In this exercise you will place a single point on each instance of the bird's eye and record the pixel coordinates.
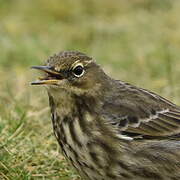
(78, 71)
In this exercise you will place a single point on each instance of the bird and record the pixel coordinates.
(108, 129)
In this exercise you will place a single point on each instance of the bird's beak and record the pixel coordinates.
(52, 77)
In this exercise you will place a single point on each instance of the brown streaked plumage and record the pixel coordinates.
(108, 129)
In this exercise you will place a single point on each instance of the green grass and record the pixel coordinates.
(135, 41)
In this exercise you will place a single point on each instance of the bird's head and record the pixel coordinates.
(71, 71)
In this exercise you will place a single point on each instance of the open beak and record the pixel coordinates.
(52, 77)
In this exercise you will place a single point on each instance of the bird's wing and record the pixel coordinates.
(141, 113)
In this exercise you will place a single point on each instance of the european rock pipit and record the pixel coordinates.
(108, 129)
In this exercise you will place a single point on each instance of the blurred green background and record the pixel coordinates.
(136, 41)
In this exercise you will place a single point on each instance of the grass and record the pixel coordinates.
(134, 41)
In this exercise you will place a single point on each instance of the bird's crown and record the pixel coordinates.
(67, 60)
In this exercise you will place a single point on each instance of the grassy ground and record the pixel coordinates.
(135, 41)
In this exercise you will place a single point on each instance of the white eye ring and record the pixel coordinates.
(78, 70)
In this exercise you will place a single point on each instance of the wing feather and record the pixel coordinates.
(143, 113)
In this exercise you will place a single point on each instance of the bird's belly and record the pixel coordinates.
(95, 159)
(74, 145)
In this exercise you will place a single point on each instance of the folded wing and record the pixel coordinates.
(137, 112)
